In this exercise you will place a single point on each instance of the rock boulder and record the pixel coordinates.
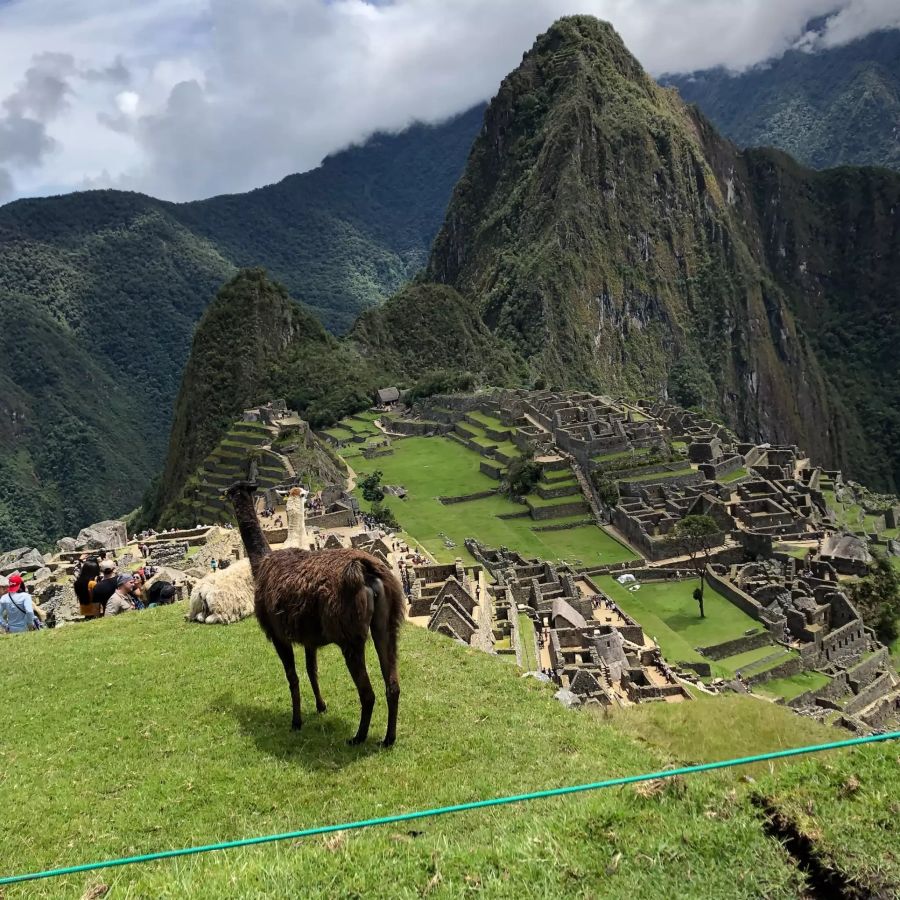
(111, 534)
(23, 559)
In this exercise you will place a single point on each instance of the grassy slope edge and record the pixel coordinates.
(104, 762)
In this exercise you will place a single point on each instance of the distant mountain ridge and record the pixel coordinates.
(111, 284)
(826, 107)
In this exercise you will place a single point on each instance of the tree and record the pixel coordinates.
(607, 489)
(696, 536)
(384, 515)
(371, 487)
(877, 598)
(521, 477)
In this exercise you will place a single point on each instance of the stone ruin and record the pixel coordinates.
(593, 648)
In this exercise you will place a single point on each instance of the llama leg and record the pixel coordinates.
(312, 671)
(385, 641)
(286, 654)
(355, 657)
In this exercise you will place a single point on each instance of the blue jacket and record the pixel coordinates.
(16, 612)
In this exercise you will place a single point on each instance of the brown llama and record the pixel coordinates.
(325, 597)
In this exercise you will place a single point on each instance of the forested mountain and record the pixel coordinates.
(828, 107)
(604, 236)
(104, 288)
(620, 243)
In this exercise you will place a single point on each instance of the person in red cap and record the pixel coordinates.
(16, 609)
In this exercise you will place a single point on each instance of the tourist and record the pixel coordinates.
(104, 588)
(214, 564)
(85, 581)
(16, 609)
(121, 599)
(160, 593)
(138, 594)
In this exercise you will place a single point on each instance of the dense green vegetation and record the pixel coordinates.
(253, 344)
(110, 285)
(832, 107)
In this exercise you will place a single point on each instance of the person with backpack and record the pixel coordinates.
(16, 609)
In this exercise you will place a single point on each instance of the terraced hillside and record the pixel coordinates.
(452, 482)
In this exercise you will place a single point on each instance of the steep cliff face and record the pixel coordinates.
(832, 240)
(611, 236)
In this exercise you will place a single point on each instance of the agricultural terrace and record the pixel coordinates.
(432, 467)
(239, 771)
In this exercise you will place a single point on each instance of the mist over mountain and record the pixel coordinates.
(826, 107)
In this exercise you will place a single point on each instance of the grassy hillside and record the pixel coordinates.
(832, 107)
(121, 279)
(187, 741)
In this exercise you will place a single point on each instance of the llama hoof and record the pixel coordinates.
(296, 726)
(355, 741)
(387, 742)
(321, 707)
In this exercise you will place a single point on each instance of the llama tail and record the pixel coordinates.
(255, 543)
(390, 604)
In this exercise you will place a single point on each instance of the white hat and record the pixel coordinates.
(107, 565)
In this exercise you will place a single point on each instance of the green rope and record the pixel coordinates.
(443, 810)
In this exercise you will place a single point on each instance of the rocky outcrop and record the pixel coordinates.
(109, 535)
(23, 559)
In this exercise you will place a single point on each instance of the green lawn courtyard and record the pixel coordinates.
(430, 468)
(668, 612)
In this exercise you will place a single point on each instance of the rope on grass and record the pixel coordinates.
(444, 810)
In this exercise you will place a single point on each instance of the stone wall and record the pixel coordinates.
(738, 645)
(880, 686)
(793, 666)
(340, 519)
(561, 509)
(863, 673)
(735, 595)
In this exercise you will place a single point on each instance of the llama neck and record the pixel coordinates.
(254, 540)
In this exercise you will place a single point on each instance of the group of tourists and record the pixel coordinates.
(102, 590)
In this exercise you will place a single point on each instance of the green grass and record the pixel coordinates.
(848, 806)
(741, 660)
(339, 434)
(526, 633)
(794, 685)
(489, 421)
(536, 500)
(668, 612)
(734, 476)
(659, 476)
(128, 759)
(694, 731)
(553, 476)
(433, 467)
(794, 550)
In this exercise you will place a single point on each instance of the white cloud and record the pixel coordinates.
(224, 95)
(127, 102)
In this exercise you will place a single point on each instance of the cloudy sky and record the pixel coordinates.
(189, 98)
